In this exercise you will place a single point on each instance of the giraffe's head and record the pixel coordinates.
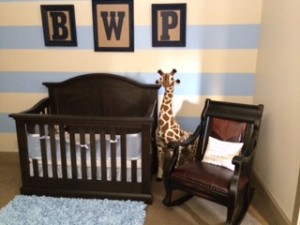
(167, 79)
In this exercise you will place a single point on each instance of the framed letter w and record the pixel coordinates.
(113, 25)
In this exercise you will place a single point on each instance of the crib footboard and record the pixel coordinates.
(93, 157)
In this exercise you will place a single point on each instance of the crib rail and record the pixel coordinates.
(69, 144)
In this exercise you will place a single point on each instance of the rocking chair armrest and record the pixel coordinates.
(240, 175)
(171, 164)
(191, 139)
(240, 160)
(175, 148)
(242, 164)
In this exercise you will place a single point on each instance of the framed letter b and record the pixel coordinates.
(59, 25)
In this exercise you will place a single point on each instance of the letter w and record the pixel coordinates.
(113, 26)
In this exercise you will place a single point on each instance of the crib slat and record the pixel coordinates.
(83, 148)
(73, 155)
(123, 158)
(53, 150)
(63, 151)
(93, 155)
(43, 150)
(35, 167)
(134, 171)
(103, 157)
(31, 128)
(113, 142)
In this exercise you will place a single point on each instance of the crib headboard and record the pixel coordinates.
(101, 94)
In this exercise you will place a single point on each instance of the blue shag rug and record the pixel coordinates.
(33, 210)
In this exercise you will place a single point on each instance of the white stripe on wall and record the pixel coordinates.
(17, 102)
(191, 106)
(203, 61)
(8, 142)
(198, 12)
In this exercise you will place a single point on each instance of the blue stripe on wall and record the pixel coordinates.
(223, 36)
(7, 124)
(215, 84)
(197, 37)
(188, 123)
(191, 83)
(29, 82)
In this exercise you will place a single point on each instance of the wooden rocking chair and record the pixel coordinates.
(227, 134)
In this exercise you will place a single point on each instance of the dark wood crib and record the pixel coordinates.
(93, 137)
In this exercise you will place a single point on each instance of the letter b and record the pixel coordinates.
(60, 30)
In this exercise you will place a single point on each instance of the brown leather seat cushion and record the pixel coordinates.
(199, 176)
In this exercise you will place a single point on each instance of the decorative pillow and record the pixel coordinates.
(221, 152)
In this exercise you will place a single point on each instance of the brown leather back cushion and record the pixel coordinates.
(227, 130)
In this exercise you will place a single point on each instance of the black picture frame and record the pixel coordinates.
(165, 18)
(59, 26)
(112, 34)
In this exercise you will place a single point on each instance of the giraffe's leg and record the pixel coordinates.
(160, 156)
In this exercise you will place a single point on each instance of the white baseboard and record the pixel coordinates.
(265, 204)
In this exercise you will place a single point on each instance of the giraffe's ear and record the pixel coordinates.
(160, 72)
(178, 81)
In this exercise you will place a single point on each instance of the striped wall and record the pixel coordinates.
(218, 62)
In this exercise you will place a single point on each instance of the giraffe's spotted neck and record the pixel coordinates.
(166, 106)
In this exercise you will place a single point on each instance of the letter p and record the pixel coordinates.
(169, 21)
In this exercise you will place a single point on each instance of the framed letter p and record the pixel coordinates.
(168, 25)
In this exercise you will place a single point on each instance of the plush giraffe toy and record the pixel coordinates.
(167, 129)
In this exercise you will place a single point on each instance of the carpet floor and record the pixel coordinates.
(194, 212)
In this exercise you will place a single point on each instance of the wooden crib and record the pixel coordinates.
(93, 137)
